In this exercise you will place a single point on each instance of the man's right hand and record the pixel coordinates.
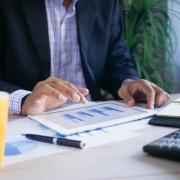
(50, 94)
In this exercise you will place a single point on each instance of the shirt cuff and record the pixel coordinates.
(16, 100)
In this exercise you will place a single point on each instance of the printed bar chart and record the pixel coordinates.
(89, 116)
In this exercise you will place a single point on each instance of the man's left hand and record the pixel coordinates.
(133, 91)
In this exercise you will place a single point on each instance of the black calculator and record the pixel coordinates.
(165, 147)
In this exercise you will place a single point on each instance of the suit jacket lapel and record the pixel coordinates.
(85, 22)
(86, 17)
(35, 14)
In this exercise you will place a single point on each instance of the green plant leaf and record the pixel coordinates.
(151, 39)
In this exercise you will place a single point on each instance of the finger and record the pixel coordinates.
(68, 89)
(77, 90)
(150, 95)
(84, 91)
(47, 90)
(41, 97)
(161, 97)
(126, 96)
(65, 90)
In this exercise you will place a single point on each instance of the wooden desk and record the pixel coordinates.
(122, 160)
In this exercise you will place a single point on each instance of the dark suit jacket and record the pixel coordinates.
(25, 52)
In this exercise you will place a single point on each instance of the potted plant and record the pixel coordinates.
(151, 39)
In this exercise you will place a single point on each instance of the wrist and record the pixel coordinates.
(16, 100)
(126, 82)
(23, 101)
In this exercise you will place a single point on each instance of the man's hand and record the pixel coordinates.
(50, 94)
(143, 91)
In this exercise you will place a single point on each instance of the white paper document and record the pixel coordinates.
(91, 117)
(172, 110)
(19, 149)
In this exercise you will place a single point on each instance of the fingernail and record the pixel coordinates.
(130, 103)
(86, 92)
(76, 97)
(84, 100)
(61, 98)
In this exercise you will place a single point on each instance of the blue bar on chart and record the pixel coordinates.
(111, 109)
(98, 112)
(72, 118)
(84, 114)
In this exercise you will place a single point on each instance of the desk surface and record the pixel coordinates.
(122, 160)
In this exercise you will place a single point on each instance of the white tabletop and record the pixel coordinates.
(122, 160)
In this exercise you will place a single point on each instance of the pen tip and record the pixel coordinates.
(23, 135)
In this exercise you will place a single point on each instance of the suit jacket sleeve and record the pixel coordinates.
(4, 86)
(119, 66)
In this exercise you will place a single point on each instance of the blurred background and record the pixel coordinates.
(152, 30)
(176, 26)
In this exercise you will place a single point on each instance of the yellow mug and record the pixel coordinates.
(4, 107)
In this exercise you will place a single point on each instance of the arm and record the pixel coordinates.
(119, 66)
(45, 95)
(123, 80)
(16, 95)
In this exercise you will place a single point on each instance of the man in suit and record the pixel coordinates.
(52, 51)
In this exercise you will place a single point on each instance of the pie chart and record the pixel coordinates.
(19, 147)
